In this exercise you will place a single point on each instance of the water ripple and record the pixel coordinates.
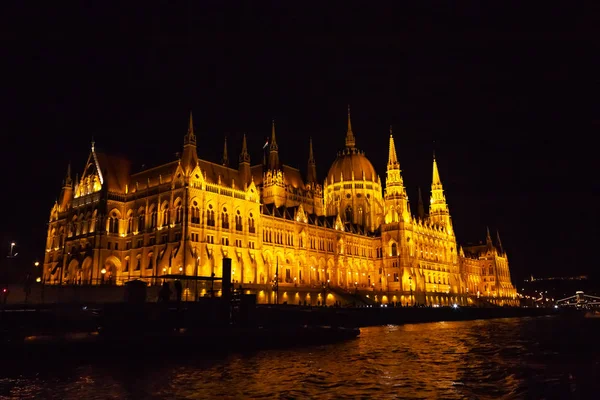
(494, 359)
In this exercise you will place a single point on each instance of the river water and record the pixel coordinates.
(527, 358)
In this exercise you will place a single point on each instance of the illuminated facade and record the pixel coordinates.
(342, 240)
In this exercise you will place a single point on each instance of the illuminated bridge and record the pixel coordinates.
(580, 300)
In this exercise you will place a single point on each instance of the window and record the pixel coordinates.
(225, 219)
(251, 227)
(394, 250)
(225, 241)
(129, 224)
(166, 216)
(138, 265)
(178, 237)
(113, 223)
(128, 246)
(396, 278)
(164, 238)
(238, 221)
(251, 245)
(109, 245)
(153, 219)
(150, 262)
(210, 239)
(140, 243)
(348, 214)
(152, 241)
(195, 213)
(116, 245)
(210, 216)
(238, 242)
(141, 221)
(179, 214)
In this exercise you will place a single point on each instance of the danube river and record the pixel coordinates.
(528, 358)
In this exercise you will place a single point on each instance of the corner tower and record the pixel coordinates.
(396, 201)
(438, 210)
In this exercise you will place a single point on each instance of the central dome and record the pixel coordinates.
(348, 162)
(351, 163)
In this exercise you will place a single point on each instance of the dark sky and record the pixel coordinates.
(508, 94)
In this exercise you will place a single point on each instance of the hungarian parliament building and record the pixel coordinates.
(290, 238)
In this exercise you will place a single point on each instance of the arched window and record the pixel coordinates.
(179, 213)
(394, 250)
(166, 216)
(251, 227)
(153, 218)
(113, 223)
(129, 222)
(225, 219)
(141, 220)
(210, 216)
(348, 214)
(238, 221)
(195, 213)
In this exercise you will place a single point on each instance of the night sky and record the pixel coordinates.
(507, 97)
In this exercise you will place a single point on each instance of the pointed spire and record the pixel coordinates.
(189, 159)
(392, 158)
(312, 165)
(350, 140)
(225, 159)
(68, 180)
(488, 238)
(190, 137)
(420, 205)
(244, 155)
(436, 174)
(499, 241)
(273, 144)
(438, 210)
(273, 154)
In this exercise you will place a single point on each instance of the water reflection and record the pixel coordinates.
(506, 358)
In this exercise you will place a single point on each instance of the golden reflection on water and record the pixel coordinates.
(495, 359)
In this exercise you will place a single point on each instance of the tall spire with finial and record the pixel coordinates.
(438, 209)
(499, 242)
(396, 200)
(350, 140)
(273, 150)
(244, 155)
(68, 180)
(488, 237)
(190, 137)
(244, 165)
(392, 157)
(189, 159)
(312, 165)
(225, 160)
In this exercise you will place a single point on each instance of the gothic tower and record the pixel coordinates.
(244, 163)
(396, 201)
(438, 210)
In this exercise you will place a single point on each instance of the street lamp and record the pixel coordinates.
(103, 272)
(12, 246)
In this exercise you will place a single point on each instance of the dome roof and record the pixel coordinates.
(348, 161)
(351, 160)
